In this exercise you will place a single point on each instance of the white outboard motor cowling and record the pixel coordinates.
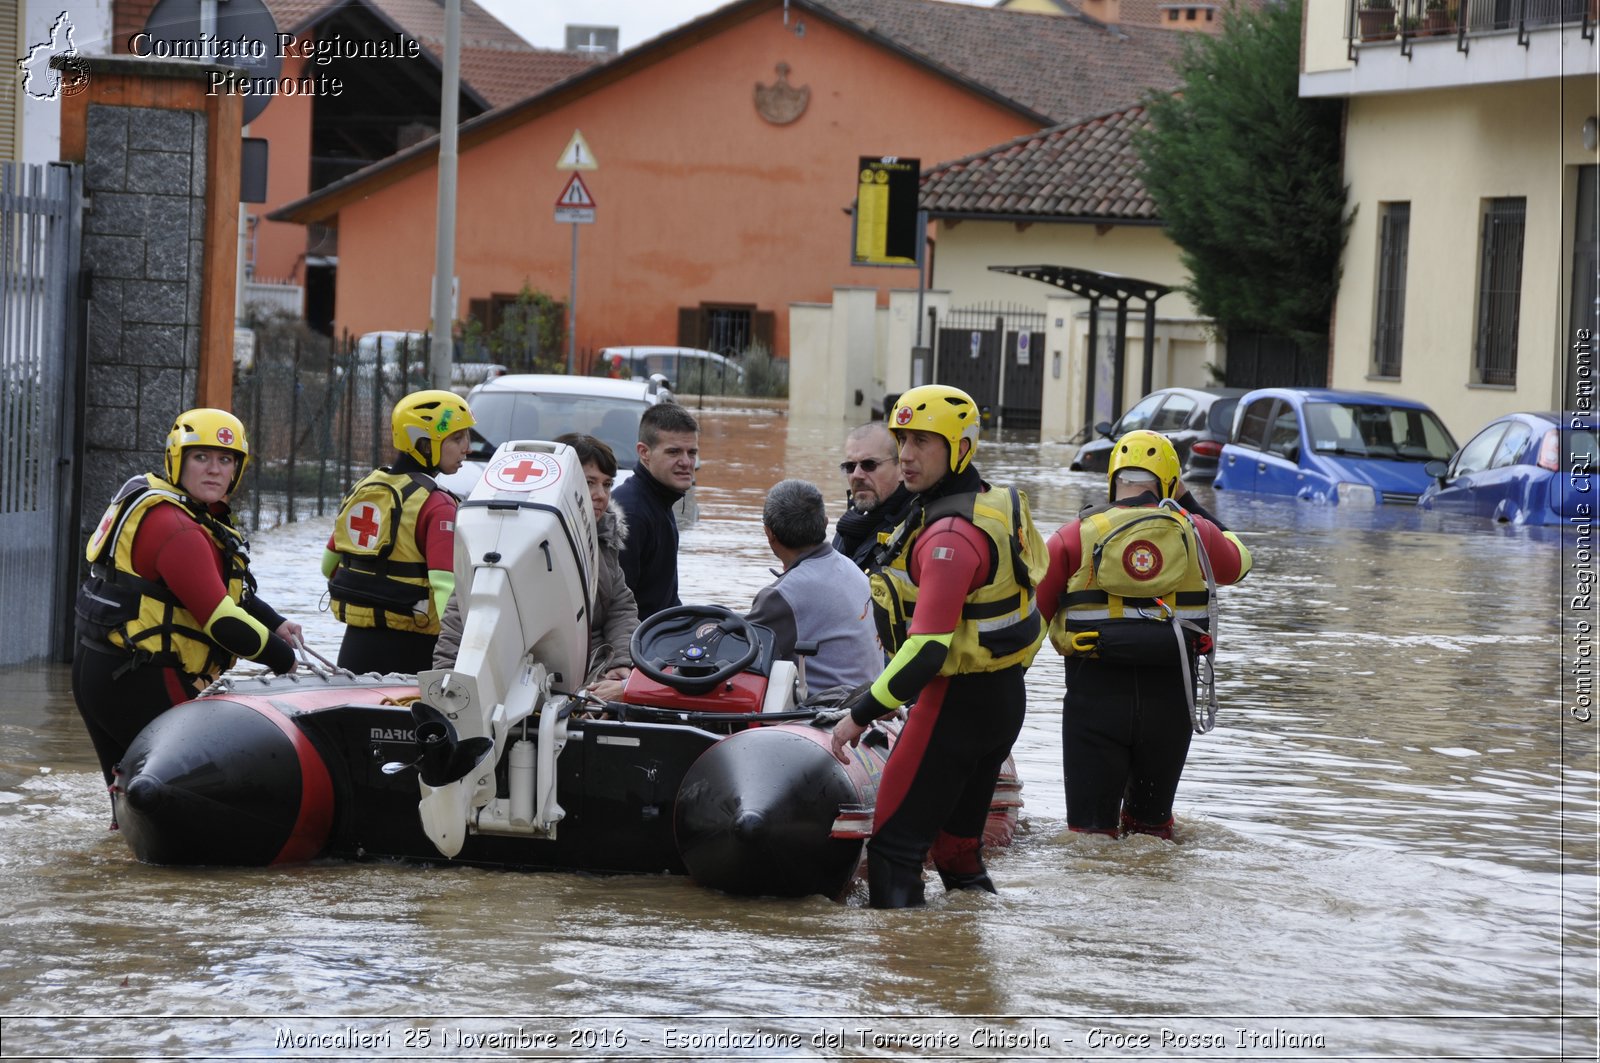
(526, 573)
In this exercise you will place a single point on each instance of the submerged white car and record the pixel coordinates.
(546, 405)
(707, 371)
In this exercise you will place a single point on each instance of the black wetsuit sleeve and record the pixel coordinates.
(263, 612)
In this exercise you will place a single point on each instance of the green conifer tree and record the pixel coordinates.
(1246, 176)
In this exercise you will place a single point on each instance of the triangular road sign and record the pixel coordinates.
(576, 194)
(577, 155)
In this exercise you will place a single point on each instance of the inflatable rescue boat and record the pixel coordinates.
(710, 765)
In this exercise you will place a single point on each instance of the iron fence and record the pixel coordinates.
(1380, 21)
(40, 317)
(317, 412)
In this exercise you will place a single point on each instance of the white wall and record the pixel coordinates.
(91, 34)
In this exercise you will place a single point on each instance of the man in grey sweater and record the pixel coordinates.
(819, 596)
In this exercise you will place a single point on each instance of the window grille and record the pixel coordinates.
(728, 330)
(1499, 291)
(1389, 318)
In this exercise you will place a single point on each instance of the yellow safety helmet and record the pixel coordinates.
(207, 428)
(431, 416)
(942, 410)
(1150, 451)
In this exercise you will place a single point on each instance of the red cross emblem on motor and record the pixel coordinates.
(1142, 560)
(522, 471)
(362, 524)
(527, 471)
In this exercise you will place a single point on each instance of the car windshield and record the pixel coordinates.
(1376, 430)
(503, 415)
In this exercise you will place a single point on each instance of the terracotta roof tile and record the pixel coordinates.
(1079, 170)
(1062, 67)
(504, 77)
(496, 62)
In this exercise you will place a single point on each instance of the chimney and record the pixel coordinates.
(596, 40)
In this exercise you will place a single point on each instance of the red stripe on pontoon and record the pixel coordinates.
(315, 820)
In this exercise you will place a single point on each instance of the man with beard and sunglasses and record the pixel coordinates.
(877, 500)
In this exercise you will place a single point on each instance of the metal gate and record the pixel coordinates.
(996, 355)
(40, 216)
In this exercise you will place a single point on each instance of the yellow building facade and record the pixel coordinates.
(1469, 273)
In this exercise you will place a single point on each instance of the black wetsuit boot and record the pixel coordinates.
(954, 880)
(891, 885)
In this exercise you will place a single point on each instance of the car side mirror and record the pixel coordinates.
(1437, 469)
(1104, 428)
(1292, 453)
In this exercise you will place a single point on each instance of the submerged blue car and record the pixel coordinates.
(1325, 445)
(1523, 468)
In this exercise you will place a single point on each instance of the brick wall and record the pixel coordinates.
(129, 18)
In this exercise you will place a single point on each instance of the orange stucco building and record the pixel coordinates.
(707, 200)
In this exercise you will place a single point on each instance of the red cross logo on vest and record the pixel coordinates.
(522, 471)
(363, 525)
(105, 526)
(1142, 560)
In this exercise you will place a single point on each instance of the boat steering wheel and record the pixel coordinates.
(705, 645)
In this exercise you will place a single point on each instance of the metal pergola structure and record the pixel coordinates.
(1094, 286)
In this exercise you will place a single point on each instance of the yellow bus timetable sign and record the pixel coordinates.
(886, 211)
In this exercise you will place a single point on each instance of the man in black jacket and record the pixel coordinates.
(878, 500)
(668, 448)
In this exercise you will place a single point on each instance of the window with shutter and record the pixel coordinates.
(1500, 291)
(1389, 316)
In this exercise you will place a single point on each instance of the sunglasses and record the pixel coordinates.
(868, 465)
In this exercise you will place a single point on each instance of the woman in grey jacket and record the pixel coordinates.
(615, 612)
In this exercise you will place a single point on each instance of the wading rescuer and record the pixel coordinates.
(390, 560)
(170, 603)
(1128, 598)
(967, 558)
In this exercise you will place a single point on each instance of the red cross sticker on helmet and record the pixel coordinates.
(225, 436)
(1142, 560)
(902, 416)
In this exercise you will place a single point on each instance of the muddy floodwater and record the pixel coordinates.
(1386, 850)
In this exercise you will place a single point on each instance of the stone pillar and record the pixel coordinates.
(160, 159)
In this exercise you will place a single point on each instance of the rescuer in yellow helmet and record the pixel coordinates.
(170, 603)
(967, 558)
(1128, 599)
(390, 560)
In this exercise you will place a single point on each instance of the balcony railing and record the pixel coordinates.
(1406, 21)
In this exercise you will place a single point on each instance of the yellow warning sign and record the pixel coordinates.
(577, 155)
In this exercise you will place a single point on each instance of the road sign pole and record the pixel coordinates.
(572, 308)
(444, 248)
(575, 205)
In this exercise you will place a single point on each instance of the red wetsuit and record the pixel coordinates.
(1126, 729)
(939, 782)
(115, 695)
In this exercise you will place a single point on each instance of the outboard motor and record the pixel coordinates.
(526, 572)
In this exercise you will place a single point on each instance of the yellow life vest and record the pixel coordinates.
(382, 577)
(1138, 565)
(118, 607)
(1000, 624)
